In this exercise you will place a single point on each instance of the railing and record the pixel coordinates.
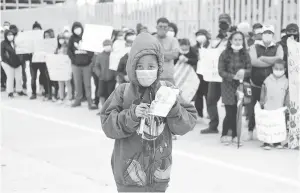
(189, 15)
(21, 4)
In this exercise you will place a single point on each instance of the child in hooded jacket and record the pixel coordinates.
(141, 161)
(62, 48)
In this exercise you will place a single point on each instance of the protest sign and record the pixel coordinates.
(43, 47)
(59, 67)
(186, 80)
(164, 101)
(294, 85)
(94, 36)
(208, 64)
(25, 41)
(115, 56)
(270, 125)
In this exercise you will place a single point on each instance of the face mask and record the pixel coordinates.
(184, 52)
(107, 48)
(61, 41)
(6, 27)
(78, 31)
(224, 26)
(120, 38)
(236, 48)
(171, 34)
(278, 73)
(146, 77)
(10, 38)
(267, 38)
(201, 39)
(293, 36)
(131, 38)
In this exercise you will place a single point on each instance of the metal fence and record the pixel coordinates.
(189, 15)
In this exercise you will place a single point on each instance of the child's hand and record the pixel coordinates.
(142, 110)
(240, 74)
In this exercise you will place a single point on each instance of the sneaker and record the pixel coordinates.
(22, 93)
(279, 146)
(60, 102)
(209, 131)
(235, 141)
(54, 99)
(266, 146)
(32, 97)
(11, 95)
(93, 107)
(76, 104)
(225, 140)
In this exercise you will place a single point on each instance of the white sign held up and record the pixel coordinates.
(25, 41)
(94, 36)
(59, 67)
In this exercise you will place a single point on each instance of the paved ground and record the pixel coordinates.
(54, 149)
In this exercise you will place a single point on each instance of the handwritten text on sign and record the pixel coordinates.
(208, 64)
(270, 124)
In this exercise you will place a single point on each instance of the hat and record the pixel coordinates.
(203, 32)
(292, 26)
(36, 25)
(225, 17)
(257, 26)
(268, 28)
(244, 27)
(107, 43)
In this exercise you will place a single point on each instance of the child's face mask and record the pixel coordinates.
(146, 77)
(61, 41)
(236, 48)
(201, 39)
(78, 31)
(278, 73)
(10, 38)
(171, 34)
(107, 48)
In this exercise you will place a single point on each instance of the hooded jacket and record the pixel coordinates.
(8, 52)
(142, 163)
(77, 56)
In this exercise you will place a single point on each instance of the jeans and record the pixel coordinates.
(230, 120)
(13, 75)
(213, 96)
(201, 92)
(82, 75)
(254, 99)
(3, 77)
(45, 79)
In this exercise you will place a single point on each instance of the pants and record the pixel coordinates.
(201, 92)
(213, 96)
(45, 80)
(3, 77)
(54, 84)
(106, 88)
(13, 74)
(82, 75)
(24, 76)
(62, 89)
(96, 81)
(254, 99)
(230, 120)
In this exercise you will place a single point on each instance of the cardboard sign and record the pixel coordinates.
(208, 64)
(25, 41)
(59, 67)
(115, 57)
(186, 80)
(294, 85)
(42, 48)
(270, 125)
(94, 36)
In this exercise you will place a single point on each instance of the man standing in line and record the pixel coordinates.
(170, 48)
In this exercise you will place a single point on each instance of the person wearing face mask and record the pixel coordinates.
(122, 74)
(6, 25)
(202, 41)
(142, 161)
(106, 77)
(275, 93)
(11, 64)
(170, 46)
(263, 56)
(62, 48)
(187, 54)
(234, 66)
(81, 66)
(173, 30)
(257, 33)
(245, 28)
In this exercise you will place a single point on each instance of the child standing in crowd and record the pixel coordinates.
(11, 64)
(263, 56)
(275, 93)
(62, 48)
(107, 77)
(187, 54)
(202, 42)
(173, 30)
(234, 65)
(170, 47)
(142, 162)
(81, 66)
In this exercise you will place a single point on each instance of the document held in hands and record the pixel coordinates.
(164, 100)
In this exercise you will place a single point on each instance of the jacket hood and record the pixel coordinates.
(77, 25)
(144, 44)
(37, 25)
(6, 32)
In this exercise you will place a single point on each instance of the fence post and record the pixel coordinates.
(199, 13)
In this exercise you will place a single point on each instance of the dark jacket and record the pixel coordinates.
(8, 52)
(101, 67)
(122, 68)
(142, 163)
(78, 57)
(192, 57)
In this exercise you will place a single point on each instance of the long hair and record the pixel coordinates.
(229, 50)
